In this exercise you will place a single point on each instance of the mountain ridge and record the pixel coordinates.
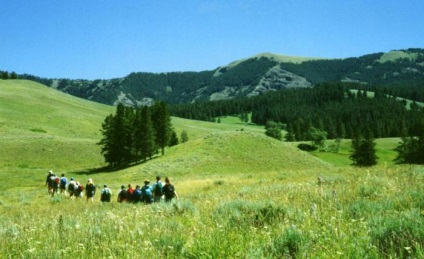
(248, 77)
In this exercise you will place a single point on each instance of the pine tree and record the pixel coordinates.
(144, 135)
(107, 141)
(13, 75)
(289, 137)
(147, 134)
(162, 124)
(117, 137)
(411, 149)
(4, 75)
(363, 149)
(273, 130)
(184, 136)
(174, 139)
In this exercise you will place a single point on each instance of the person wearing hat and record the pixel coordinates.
(122, 195)
(71, 188)
(157, 190)
(90, 190)
(105, 194)
(146, 193)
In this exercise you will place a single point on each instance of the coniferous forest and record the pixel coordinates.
(337, 108)
(341, 110)
(135, 135)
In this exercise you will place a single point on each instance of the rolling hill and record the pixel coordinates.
(42, 128)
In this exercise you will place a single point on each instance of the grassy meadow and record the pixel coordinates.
(241, 194)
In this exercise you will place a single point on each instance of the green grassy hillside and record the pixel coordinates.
(43, 128)
(397, 54)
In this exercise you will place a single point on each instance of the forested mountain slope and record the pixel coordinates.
(253, 76)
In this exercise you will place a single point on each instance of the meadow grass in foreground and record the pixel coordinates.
(354, 213)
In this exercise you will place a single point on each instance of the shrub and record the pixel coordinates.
(399, 235)
(288, 245)
(240, 213)
(306, 147)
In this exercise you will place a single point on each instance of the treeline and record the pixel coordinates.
(134, 135)
(331, 107)
(6, 75)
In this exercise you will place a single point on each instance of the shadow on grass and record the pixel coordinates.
(109, 169)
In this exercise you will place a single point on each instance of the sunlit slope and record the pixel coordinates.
(198, 129)
(229, 152)
(42, 127)
(27, 106)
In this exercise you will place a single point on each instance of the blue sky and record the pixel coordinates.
(103, 39)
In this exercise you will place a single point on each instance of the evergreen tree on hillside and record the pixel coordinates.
(4, 75)
(318, 137)
(162, 124)
(363, 149)
(289, 137)
(174, 139)
(130, 136)
(273, 130)
(244, 117)
(117, 137)
(411, 149)
(107, 142)
(184, 136)
(144, 134)
(123, 125)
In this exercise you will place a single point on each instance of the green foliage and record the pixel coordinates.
(399, 238)
(329, 107)
(364, 153)
(273, 130)
(13, 75)
(242, 214)
(161, 120)
(306, 147)
(411, 149)
(287, 245)
(144, 134)
(184, 136)
(244, 117)
(129, 136)
(318, 137)
(174, 139)
(4, 75)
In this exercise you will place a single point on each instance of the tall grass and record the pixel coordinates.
(365, 214)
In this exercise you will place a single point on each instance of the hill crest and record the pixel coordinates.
(250, 76)
(230, 152)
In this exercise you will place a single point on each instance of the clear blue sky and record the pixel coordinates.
(103, 39)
